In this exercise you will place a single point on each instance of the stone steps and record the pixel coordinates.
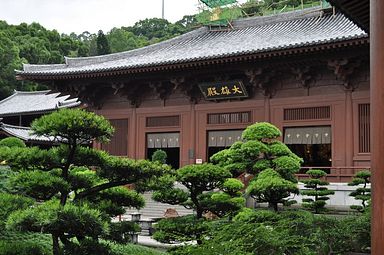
(154, 209)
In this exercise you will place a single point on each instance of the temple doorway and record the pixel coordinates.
(168, 142)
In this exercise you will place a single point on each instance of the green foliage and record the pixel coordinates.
(119, 231)
(30, 158)
(110, 201)
(173, 196)
(160, 156)
(82, 178)
(86, 247)
(33, 44)
(261, 152)
(260, 131)
(75, 125)
(38, 184)
(12, 142)
(232, 186)
(270, 187)
(132, 249)
(202, 194)
(317, 190)
(10, 203)
(197, 179)
(102, 44)
(186, 228)
(16, 243)
(50, 217)
(87, 198)
(16, 248)
(362, 192)
(265, 232)
(204, 177)
(5, 175)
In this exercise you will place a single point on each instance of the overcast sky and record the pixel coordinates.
(91, 15)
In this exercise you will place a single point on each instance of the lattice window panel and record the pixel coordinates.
(163, 121)
(308, 113)
(229, 118)
(364, 128)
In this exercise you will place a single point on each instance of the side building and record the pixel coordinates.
(19, 110)
(306, 72)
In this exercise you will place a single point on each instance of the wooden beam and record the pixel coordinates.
(377, 127)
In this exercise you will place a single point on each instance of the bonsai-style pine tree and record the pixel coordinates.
(261, 151)
(202, 183)
(76, 189)
(316, 190)
(362, 192)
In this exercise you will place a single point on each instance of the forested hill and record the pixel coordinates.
(33, 44)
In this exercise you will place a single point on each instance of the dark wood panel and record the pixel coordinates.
(118, 145)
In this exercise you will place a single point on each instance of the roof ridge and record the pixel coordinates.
(279, 17)
(14, 126)
(32, 92)
(81, 61)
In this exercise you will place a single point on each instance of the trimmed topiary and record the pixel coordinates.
(261, 151)
(12, 142)
(316, 190)
(362, 192)
(160, 156)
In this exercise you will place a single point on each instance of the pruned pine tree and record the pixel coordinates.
(76, 189)
(362, 179)
(261, 151)
(316, 189)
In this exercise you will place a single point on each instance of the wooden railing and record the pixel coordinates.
(334, 174)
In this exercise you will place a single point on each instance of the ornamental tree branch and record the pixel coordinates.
(99, 188)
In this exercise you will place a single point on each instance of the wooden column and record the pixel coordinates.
(267, 109)
(132, 140)
(348, 130)
(377, 127)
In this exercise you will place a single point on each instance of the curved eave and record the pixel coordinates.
(45, 111)
(222, 59)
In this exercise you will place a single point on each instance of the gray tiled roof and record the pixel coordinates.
(24, 133)
(248, 36)
(33, 102)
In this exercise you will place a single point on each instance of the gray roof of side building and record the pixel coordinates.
(249, 36)
(22, 103)
(25, 134)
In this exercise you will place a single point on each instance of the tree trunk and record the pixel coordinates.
(65, 171)
(55, 245)
(273, 206)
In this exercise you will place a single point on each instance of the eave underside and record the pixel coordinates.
(355, 10)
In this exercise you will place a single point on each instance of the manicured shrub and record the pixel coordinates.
(317, 190)
(261, 151)
(160, 156)
(120, 231)
(12, 142)
(24, 243)
(270, 187)
(179, 229)
(22, 248)
(362, 192)
(300, 232)
(87, 247)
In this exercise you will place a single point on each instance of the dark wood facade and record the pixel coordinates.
(330, 88)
